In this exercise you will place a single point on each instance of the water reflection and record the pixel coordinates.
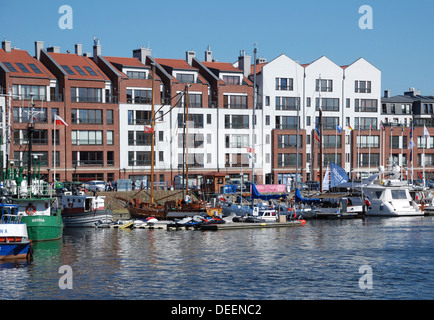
(318, 261)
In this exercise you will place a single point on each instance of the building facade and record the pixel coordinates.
(209, 117)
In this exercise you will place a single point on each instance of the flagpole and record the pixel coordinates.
(54, 179)
(391, 140)
(369, 145)
(402, 150)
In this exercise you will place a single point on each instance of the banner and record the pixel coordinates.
(338, 175)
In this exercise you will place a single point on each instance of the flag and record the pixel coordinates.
(148, 130)
(59, 121)
(391, 129)
(316, 137)
(411, 132)
(349, 127)
(316, 129)
(250, 150)
(411, 145)
(382, 126)
(338, 128)
(425, 132)
(371, 127)
(402, 131)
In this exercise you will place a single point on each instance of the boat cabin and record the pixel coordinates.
(81, 202)
(214, 182)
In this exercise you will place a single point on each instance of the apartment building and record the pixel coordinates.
(30, 95)
(107, 103)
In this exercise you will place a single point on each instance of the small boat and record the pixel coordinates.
(82, 210)
(14, 242)
(139, 209)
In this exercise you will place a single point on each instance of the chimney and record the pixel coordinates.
(412, 92)
(387, 93)
(6, 45)
(208, 55)
(244, 62)
(39, 45)
(96, 49)
(79, 49)
(189, 55)
(53, 49)
(141, 54)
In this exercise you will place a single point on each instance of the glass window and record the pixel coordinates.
(22, 67)
(10, 67)
(79, 70)
(34, 68)
(90, 70)
(68, 70)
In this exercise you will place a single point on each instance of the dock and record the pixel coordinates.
(244, 225)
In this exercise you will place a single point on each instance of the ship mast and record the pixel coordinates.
(152, 133)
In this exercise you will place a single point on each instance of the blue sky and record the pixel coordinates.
(400, 43)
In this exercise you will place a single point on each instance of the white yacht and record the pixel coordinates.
(390, 198)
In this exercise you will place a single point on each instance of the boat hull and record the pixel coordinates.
(398, 209)
(15, 250)
(44, 228)
(84, 219)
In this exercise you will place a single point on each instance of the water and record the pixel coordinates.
(318, 261)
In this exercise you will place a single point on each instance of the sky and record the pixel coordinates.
(399, 43)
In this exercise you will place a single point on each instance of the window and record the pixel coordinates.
(285, 84)
(348, 103)
(267, 120)
(308, 102)
(136, 74)
(287, 103)
(194, 120)
(288, 159)
(140, 96)
(34, 68)
(235, 102)
(368, 105)
(208, 119)
(289, 141)
(267, 101)
(329, 141)
(236, 122)
(22, 67)
(194, 140)
(237, 141)
(326, 85)
(161, 156)
(160, 135)
(110, 117)
(87, 158)
(90, 70)
(365, 123)
(328, 123)
(231, 80)
(328, 104)
(185, 77)
(283, 122)
(79, 70)
(368, 141)
(139, 138)
(86, 95)
(86, 137)
(10, 67)
(110, 139)
(68, 70)
(362, 86)
(86, 116)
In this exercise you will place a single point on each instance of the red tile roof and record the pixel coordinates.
(127, 62)
(22, 56)
(71, 60)
(222, 66)
(258, 68)
(175, 64)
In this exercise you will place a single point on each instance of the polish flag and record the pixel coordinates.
(149, 129)
(60, 121)
(250, 150)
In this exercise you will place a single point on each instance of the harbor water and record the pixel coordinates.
(321, 260)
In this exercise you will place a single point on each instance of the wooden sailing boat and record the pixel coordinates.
(136, 207)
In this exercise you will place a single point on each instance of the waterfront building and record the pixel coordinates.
(106, 102)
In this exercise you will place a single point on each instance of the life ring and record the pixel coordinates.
(30, 210)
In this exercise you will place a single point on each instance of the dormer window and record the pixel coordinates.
(231, 80)
(185, 77)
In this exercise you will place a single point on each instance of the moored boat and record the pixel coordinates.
(14, 242)
(82, 210)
